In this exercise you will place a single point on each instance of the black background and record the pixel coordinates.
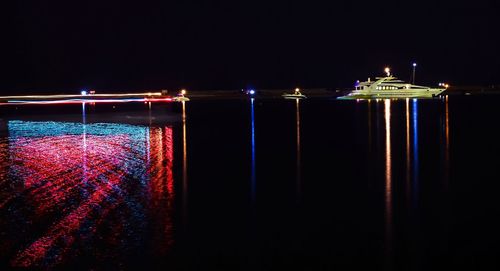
(64, 46)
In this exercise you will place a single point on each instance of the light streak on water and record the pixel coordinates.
(415, 151)
(79, 101)
(298, 162)
(447, 144)
(388, 180)
(408, 161)
(68, 96)
(184, 165)
(86, 178)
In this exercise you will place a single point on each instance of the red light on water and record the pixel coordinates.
(89, 180)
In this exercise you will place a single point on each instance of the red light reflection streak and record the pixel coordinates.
(84, 153)
(169, 146)
(65, 231)
(388, 177)
(184, 166)
(162, 185)
(4, 165)
(52, 169)
(298, 181)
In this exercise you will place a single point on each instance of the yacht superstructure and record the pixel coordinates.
(390, 87)
(295, 95)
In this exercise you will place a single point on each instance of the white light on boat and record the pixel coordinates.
(392, 88)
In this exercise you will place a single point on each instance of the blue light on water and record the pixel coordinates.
(84, 114)
(415, 148)
(19, 128)
(100, 171)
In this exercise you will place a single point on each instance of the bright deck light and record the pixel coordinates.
(183, 92)
(83, 92)
(388, 71)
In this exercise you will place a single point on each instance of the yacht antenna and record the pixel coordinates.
(413, 77)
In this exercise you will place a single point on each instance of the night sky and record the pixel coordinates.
(64, 46)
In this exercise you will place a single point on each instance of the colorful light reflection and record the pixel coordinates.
(415, 152)
(83, 180)
(79, 101)
(298, 162)
(184, 165)
(388, 179)
(253, 177)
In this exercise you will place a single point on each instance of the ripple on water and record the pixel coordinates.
(94, 191)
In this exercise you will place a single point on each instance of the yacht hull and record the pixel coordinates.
(429, 93)
(294, 96)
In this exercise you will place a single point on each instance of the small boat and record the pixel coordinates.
(295, 95)
(390, 87)
(180, 97)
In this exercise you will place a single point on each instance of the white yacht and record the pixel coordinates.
(295, 95)
(390, 87)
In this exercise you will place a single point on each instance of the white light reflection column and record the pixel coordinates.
(298, 165)
(149, 112)
(388, 181)
(184, 165)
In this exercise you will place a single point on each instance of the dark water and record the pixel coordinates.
(257, 185)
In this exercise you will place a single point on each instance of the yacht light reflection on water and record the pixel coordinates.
(390, 87)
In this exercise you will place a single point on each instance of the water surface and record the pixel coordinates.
(256, 184)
